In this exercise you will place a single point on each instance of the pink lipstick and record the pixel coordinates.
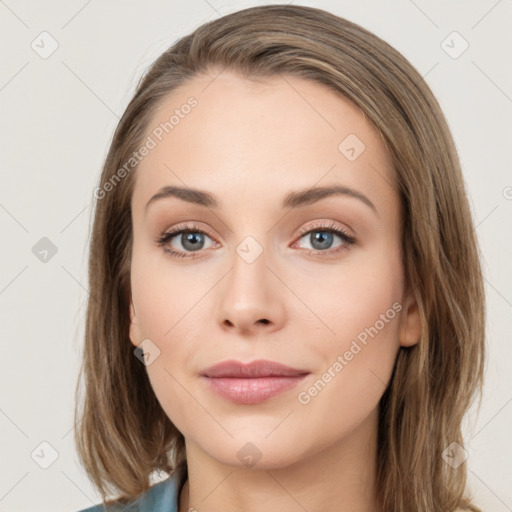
(252, 383)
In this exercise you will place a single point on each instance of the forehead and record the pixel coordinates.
(248, 140)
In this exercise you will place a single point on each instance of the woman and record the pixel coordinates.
(286, 304)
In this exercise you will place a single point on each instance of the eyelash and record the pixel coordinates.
(347, 239)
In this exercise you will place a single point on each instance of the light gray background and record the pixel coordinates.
(57, 117)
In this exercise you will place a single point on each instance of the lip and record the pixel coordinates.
(251, 383)
(255, 369)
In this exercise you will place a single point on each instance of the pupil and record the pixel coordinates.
(323, 237)
(192, 239)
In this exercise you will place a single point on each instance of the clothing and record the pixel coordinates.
(161, 497)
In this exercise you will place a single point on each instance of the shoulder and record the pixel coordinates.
(161, 497)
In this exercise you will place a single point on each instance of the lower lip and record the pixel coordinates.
(252, 391)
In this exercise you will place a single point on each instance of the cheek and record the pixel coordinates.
(164, 294)
(343, 302)
(164, 304)
(362, 309)
(168, 304)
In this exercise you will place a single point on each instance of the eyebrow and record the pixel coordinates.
(292, 200)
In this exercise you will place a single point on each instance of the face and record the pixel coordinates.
(316, 285)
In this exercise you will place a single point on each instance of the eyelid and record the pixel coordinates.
(318, 225)
(322, 224)
(187, 226)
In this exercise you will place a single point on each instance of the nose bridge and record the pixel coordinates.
(248, 296)
(249, 274)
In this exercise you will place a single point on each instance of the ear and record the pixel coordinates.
(135, 334)
(410, 322)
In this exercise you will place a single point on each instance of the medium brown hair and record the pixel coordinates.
(123, 435)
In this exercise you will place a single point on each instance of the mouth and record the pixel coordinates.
(251, 383)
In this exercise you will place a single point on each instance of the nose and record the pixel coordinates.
(251, 300)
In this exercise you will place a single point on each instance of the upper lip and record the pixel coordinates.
(259, 368)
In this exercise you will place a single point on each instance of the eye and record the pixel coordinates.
(322, 236)
(191, 239)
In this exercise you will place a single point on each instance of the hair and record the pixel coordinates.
(123, 435)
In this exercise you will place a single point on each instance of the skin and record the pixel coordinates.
(249, 144)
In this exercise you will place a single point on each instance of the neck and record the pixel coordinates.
(340, 477)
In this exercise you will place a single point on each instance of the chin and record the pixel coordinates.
(255, 452)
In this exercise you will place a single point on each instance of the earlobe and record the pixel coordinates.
(135, 335)
(410, 328)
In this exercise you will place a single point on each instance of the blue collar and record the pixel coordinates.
(161, 497)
